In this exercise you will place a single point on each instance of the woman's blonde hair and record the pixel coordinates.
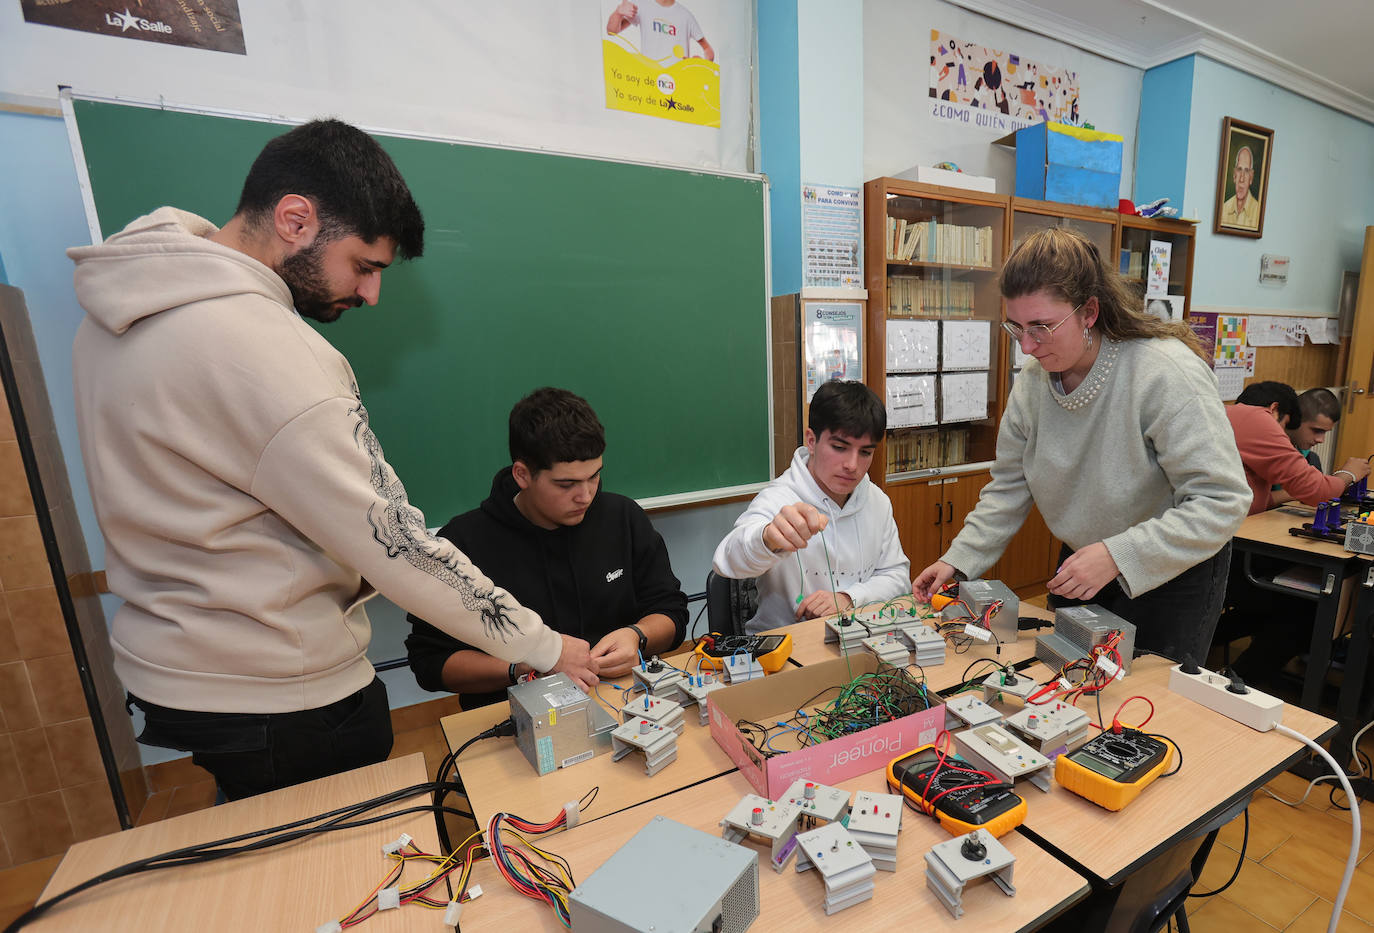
(1068, 265)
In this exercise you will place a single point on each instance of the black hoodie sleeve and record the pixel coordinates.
(427, 649)
(657, 590)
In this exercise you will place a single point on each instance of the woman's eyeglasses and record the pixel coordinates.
(1037, 332)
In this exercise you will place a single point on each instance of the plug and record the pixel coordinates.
(503, 728)
(1189, 666)
(1237, 685)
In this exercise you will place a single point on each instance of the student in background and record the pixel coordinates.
(1320, 410)
(1116, 431)
(821, 537)
(588, 561)
(1267, 453)
(247, 508)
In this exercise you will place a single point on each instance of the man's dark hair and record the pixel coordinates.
(1316, 402)
(848, 408)
(1264, 394)
(356, 188)
(551, 426)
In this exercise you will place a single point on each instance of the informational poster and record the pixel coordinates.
(831, 236)
(1204, 324)
(1230, 351)
(1003, 91)
(660, 61)
(1273, 331)
(1231, 382)
(833, 335)
(1157, 279)
(199, 24)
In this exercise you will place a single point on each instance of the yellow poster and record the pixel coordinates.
(660, 63)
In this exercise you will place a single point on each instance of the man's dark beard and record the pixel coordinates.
(303, 274)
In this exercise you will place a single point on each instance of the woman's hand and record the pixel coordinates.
(930, 580)
(1084, 573)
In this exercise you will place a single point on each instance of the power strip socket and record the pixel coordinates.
(1257, 710)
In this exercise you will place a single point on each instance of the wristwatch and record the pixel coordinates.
(643, 640)
(514, 679)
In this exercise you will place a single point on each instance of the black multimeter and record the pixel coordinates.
(1113, 768)
(994, 808)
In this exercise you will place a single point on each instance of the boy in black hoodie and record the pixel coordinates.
(588, 561)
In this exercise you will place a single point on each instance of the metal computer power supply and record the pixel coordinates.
(670, 878)
(556, 724)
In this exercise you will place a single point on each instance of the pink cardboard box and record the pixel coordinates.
(778, 697)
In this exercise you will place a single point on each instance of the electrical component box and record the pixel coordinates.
(556, 724)
(817, 801)
(776, 822)
(713, 886)
(846, 869)
(952, 864)
(1088, 626)
(1051, 728)
(968, 709)
(978, 595)
(656, 677)
(874, 822)
(993, 749)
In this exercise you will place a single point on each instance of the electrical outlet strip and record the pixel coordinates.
(1257, 710)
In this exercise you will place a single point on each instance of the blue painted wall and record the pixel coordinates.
(1320, 197)
(1161, 159)
(779, 137)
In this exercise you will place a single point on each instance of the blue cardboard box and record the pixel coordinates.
(1055, 162)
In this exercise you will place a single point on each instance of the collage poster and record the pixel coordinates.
(660, 60)
(1010, 91)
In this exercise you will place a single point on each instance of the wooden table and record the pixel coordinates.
(296, 886)
(1267, 534)
(790, 900)
(1223, 762)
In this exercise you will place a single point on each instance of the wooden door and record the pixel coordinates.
(1357, 420)
(919, 510)
(961, 495)
(1030, 557)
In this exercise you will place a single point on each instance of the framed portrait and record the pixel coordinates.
(1242, 178)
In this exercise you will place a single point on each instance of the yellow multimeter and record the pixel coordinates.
(1114, 768)
(771, 651)
(962, 803)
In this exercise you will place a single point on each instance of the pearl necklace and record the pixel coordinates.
(1089, 388)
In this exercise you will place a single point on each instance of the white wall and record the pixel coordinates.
(514, 74)
(899, 131)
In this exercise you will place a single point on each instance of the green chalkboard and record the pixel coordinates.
(640, 288)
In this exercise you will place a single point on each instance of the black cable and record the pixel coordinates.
(223, 848)
(506, 727)
(1178, 767)
(691, 628)
(1240, 862)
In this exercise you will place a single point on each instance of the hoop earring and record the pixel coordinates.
(1087, 339)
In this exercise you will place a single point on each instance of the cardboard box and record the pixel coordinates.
(1055, 162)
(929, 175)
(778, 697)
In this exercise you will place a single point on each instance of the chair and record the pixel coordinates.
(730, 603)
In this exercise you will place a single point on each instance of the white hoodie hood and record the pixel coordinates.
(859, 552)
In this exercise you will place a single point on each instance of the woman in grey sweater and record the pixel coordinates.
(1116, 430)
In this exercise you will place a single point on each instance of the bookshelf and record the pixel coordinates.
(934, 467)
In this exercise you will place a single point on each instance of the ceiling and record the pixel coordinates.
(1316, 48)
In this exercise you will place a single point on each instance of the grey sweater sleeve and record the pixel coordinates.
(1197, 452)
(1004, 502)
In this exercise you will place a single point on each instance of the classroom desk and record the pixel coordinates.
(1223, 762)
(296, 886)
(1267, 534)
(790, 900)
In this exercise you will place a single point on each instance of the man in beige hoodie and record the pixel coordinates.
(247, 509)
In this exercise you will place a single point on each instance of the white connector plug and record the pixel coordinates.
(1252, 708)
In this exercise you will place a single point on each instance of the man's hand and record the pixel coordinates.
(1084, 573)
(577, 662)
(1357, 467)
(616, 653)
(823, 603)
(929, 581)
(792, 527)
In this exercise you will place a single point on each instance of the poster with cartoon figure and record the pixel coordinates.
(660, 61)
(1025, 91)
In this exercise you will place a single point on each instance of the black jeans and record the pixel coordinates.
(250, 753)
(1174, 619)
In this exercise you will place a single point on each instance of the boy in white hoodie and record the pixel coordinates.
(821, 537)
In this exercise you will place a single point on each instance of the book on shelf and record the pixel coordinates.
(915, 296)
(909, 451)
(931, 241)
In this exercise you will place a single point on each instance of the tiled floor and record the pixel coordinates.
(1293, 861)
